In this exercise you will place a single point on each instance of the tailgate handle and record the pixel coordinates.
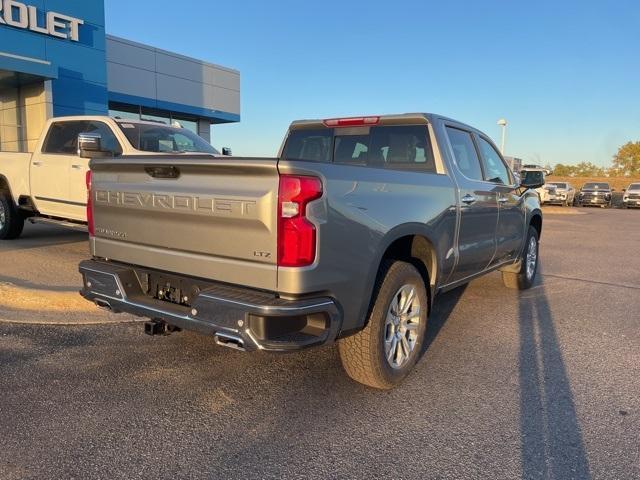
(163, 172)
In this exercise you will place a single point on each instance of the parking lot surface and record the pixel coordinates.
(538, 384)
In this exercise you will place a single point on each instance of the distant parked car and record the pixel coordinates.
(595, 194)
(565, 193)
(631, 197)
(548, 193)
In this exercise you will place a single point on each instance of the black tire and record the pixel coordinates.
(11, 222)
(363, 355)
(521, 280)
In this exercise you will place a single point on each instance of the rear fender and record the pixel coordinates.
(411, 229)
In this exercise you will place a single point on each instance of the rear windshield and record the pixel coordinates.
(164, 139)
(397, 147)
(596, 186)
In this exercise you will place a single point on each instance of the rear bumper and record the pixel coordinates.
(244, 318)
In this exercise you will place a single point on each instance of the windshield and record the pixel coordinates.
(164, 139)
(596, 186)
(559, 185)
(634, 186)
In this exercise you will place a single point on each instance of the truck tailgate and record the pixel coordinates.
(214, 218)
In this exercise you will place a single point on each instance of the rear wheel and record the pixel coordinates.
(524, 278)
(11, 222)
(386, 350)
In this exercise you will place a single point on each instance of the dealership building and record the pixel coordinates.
(56, 59)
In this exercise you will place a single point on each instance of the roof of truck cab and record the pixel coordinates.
(390, 119)
(107, 117)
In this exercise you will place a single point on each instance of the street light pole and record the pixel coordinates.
(503, 123)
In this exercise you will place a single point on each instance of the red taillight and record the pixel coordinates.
(90, 226)
(351, 121)
(296, 234)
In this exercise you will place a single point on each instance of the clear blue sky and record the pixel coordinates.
(565, 74)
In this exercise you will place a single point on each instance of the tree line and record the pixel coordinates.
(626, 162)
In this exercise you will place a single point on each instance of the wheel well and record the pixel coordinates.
(418, 251)
(4, 185)
(536, 222)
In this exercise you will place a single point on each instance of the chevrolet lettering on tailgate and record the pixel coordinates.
(196, 204)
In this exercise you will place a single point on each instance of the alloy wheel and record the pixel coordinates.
(532, 257)
(401, 326)
(3, 215)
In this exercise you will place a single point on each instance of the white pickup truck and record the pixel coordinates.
(49, 184)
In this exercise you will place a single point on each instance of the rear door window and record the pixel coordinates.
(63, 137)
(464, 153)
(401, 148)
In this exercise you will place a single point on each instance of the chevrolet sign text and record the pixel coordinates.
(17, 14)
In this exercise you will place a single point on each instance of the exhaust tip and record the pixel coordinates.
(229, 341)
(102, 304)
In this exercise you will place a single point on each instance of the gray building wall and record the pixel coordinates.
(145, 75)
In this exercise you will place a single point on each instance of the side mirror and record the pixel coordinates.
(90, 146)
(226, 151)
(624, 189)
(531, 179)
(613, 190)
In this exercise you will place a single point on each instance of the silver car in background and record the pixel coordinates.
(565, 193)
(631, 197)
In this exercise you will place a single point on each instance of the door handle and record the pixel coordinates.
(468, 199)
(37, 164)
(77, 167)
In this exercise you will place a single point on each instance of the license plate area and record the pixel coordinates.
(169, 288)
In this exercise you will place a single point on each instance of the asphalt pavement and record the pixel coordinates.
(539, 384)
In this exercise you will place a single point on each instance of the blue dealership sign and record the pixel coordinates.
(60, 40)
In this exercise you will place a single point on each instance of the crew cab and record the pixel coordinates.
(631, 196)
(595, 194)
(349, 235)
(48, 185)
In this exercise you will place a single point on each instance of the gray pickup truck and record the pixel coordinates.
(348, 235)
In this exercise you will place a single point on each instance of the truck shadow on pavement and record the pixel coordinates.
(440, 313)
(551, 438)
(43, 236)
(22, 283)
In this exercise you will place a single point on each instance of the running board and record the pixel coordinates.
(62, 223)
